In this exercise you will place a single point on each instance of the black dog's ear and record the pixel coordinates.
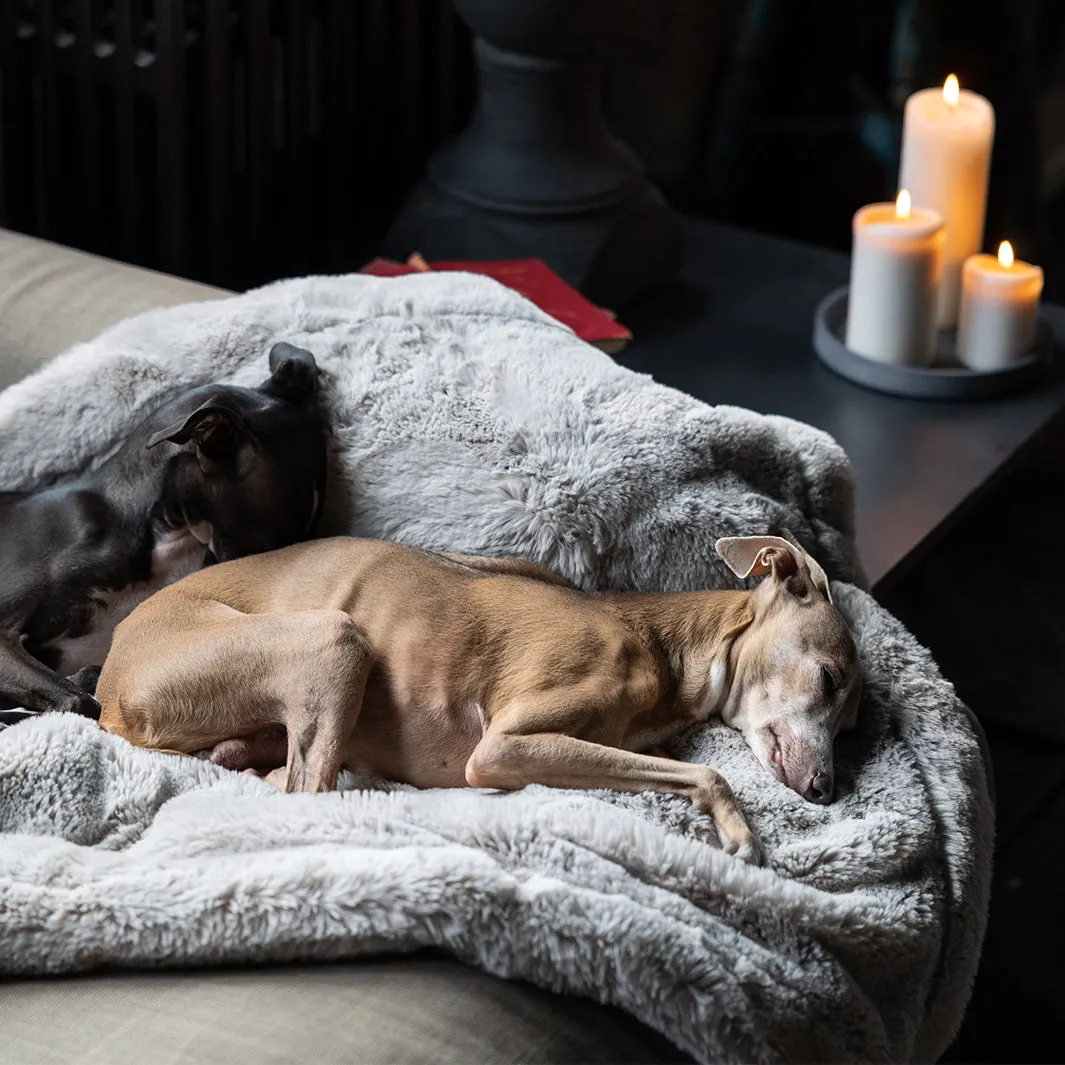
(293, 374)
(216, 430)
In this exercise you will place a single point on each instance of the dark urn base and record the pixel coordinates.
(536, 173)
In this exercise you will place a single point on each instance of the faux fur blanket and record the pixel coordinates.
(465, 419)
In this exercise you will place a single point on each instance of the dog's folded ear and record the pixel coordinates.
(751, 556)
(216, 430)
(813, 567)
(293, 374)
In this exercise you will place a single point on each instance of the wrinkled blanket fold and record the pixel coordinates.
(464, 418)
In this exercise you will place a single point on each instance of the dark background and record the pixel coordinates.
(235, 141)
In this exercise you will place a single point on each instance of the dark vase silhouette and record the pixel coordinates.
(537, 173)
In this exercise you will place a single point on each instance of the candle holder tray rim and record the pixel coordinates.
(944, 379)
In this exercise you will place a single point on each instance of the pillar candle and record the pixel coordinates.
(999, 309)
(895, 266)
(946, 156)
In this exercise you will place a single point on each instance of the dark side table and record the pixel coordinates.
(737, 329)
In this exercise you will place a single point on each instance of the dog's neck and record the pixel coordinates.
(693, 633)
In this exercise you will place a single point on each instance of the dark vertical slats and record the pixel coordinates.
(88, 130)
(441, 104)
(339, 154)
(296, 193)
(16, 183)
(8, 89)
(127, 31)
(47, 123)
(286, 131)
(219, 119)
(171, 141)
(408, 86)
(260, 113)
(376, 80)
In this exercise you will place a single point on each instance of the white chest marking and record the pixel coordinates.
(715, 696)
(176, 554)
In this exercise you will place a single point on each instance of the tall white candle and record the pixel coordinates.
(999, 309)
(946, 157)
(895, 266)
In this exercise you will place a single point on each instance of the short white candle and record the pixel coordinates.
(946, 157)
(999, 309)
(895, 268)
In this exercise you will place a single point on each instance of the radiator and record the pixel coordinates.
(232, 141)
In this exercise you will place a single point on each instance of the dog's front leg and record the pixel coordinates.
(26, 682)
(509, 760)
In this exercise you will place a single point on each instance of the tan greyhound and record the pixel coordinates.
(445, 670)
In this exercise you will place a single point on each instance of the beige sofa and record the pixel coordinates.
(422, 1008)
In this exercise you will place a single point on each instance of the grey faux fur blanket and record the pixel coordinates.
(466, 419)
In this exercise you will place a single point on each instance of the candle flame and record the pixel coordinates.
(1005, 254)
(951, 90)
(902, 204)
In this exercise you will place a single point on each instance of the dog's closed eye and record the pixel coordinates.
(774, 749)
(829, 683)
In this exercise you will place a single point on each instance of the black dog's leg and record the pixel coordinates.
(87, 678)
(27, 683)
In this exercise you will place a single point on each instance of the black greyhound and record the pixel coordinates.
(215, 474)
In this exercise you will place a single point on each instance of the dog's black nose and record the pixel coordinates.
(819, 789)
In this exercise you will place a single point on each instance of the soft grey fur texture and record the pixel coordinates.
(466, 419)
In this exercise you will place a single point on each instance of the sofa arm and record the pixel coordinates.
(52, 297)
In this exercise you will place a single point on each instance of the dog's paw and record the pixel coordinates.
(277, 778)
(263, 750)
(747, 850)
(86, 678)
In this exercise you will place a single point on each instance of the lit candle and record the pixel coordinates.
(946, 157)
(999, 309)
(895, 265)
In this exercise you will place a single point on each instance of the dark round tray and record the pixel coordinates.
(945, 378)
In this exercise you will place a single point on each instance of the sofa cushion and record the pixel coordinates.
(52, 297)
(403, 1010)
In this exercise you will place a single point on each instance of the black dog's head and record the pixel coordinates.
(253, 462)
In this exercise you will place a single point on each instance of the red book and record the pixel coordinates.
(537, 282)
